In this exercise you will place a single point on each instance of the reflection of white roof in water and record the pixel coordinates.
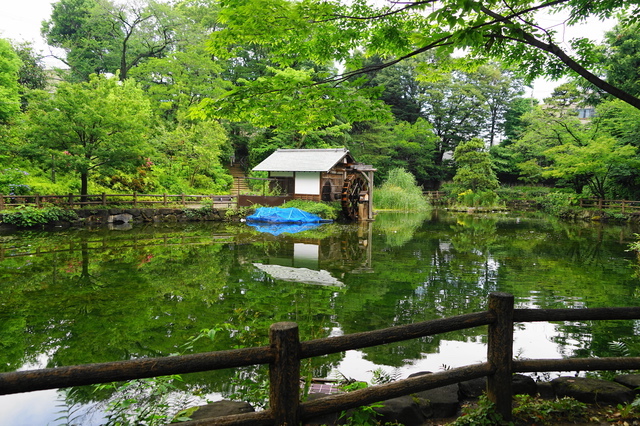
(299, 275)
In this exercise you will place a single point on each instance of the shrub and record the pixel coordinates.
(204, 210)
(557, 203)
(477, 199)
(324, 210)
(12, 182)
(27, 216)
(547, 412)
(483, 414)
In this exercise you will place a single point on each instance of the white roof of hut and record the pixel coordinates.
(303, 160)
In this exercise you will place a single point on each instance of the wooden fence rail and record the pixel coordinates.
(134, 199)
(625, 206)
(285, 353)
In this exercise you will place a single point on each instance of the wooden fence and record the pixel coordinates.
(135, 200)
(625, 206)
(286, 351)
(434, 195)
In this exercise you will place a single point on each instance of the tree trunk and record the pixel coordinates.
(84, 186)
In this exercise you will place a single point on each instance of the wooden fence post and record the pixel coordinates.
(38, 201)
(164, 200)
(284, 374)
(500, 353)
(70, 201)
(1, 201)
(104, 199)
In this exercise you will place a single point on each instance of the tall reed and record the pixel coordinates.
(400, 192)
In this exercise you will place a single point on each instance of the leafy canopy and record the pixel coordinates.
(322, 31)
(10, 65)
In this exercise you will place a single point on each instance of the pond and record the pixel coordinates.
(96, 295)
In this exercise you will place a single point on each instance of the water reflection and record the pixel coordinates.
(283, 228)
(79, 296)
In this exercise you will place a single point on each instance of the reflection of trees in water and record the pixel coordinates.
(399, 228)
(96, 296)
(135, 297)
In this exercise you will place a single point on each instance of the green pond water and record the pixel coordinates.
(94, 295)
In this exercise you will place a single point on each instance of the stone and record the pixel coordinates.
(404, 410)
(631, 381)
(472, 389)
(83, 213)
(545, 390)
(120, 218)
(592, 391)
(221, 408)
(332, 419)
(439, 403)
(522, 385)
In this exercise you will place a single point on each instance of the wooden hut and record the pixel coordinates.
(320, 175)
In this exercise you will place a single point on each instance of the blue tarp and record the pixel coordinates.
(283, 215)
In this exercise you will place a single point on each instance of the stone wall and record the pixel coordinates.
(134, 215)
(125, 218)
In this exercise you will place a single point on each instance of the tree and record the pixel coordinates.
(455, 107)
(401, 87)
(595, 162)
(508, 32)
(32, 75)
(543, 129)
(180, 81)
(9, 87)
(398, 145)
(191, 157)
(513, 124)
(499, 89)
(100, 36)
(622, 121)
(100, 124)
(475, 170)
(622, 57)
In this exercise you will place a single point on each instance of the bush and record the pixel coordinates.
(478, 199)
(557, 203)
(324, 210)
(28, 216)
(12, 182)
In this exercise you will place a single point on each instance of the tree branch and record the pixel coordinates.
(556, 51)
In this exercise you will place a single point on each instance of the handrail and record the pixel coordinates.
(286, 351)
(331, 345)
(103, 199)
(105, 372)
(600, 203)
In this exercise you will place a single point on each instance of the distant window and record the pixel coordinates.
(586, 112)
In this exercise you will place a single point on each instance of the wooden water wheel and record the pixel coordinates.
(353, 185)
